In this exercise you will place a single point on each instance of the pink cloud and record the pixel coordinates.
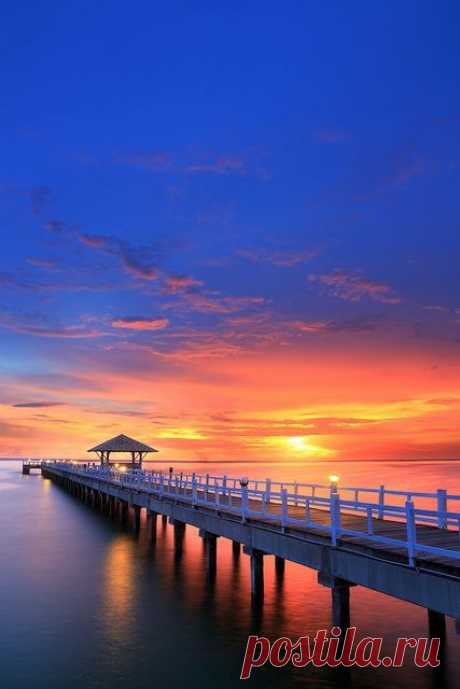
(310, 326)
(178, 283)
(133, 323)
(354, 287)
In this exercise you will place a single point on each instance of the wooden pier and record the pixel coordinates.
(30, 464)
(385, 542)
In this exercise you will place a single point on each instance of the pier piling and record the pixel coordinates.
(436, 624)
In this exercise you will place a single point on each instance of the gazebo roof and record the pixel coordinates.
(122, 443)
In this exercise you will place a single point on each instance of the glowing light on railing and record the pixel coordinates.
(334, 479)
(122, 469)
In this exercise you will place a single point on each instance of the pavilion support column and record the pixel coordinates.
(257, 572)
(164, 519)
(436, 625)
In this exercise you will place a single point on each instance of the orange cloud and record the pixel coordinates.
(133, 323)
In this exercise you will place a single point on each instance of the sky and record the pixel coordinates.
(230, 229)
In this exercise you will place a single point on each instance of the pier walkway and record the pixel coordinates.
(404, 544)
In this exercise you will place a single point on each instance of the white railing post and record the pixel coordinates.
(307, 512)
(224, 485)
(410, 530)
(284, 508)
(194, 489)
(296, 493)
(244, 503)
(334, 506)
(207, 485)
(268, 490)
(442, 507)
(370, 529)
(216, 493)
(381, 502)
(162, 485)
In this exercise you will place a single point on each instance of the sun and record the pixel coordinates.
(297, 442)
(301, 444)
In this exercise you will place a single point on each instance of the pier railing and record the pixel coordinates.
(312, 506)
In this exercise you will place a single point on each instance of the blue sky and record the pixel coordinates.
(247, 179)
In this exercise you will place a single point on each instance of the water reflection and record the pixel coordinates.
(119, 588)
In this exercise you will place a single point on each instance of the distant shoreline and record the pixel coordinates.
(260, 461)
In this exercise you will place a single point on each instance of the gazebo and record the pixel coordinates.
(122, 443)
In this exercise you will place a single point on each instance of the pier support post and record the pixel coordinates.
(124, 511)
(279, 565)
(164, 519)
(210, 546)
(137, 518)
(152, 526)
(340, 590)
(236, 549)
(179, 532)
(436, 624)
(341, 604)
(257, 572)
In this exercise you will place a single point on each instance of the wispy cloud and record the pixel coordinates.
(358, 324)
(285, 259)
(139, 323)
(39, 197)
(354, 287)
(37, 405)
(220, 165)
(178, 283)
(215, 303)
(136, 260)
(158, 161)
(43, 263)
(330, 135)
(196, 162)
(29, 326)
(55, 225)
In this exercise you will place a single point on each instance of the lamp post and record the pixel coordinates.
(244, 497)
(333, 482)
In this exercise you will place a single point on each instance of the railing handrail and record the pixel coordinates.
(207, 490)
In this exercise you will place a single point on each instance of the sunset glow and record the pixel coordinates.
(261, 266)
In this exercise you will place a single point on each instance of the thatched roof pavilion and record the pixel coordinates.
(122, 443)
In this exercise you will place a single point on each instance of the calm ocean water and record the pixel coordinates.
(86, 604)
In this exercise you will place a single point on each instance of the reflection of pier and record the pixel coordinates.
(30, 464)
(402, 550)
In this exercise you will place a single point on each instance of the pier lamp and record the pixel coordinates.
(244, 482)
(122, 469)
(334, 480)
